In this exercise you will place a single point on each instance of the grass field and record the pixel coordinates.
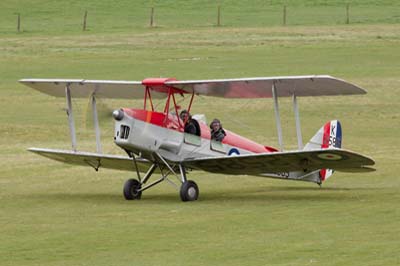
(54, 214)
(66, 17)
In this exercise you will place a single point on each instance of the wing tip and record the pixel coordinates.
(361, 169)
(25, 80)
(356, 90)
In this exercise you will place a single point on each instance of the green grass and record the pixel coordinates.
(66, 17)
(54, 214)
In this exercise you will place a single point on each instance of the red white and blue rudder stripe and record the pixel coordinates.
(328, 136)
(332, 138)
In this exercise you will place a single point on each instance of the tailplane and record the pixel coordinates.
(328, 136)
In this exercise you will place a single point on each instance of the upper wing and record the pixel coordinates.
(262, 87)
(227, 88)
(256, 164)
(94, 160)
(81, 88)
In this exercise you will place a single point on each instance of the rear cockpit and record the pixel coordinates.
(173, 131)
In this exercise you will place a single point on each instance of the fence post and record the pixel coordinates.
(284, 15)
(152, 17)
(348, 13)
(219, 16)
(84, 21)
(18, 22)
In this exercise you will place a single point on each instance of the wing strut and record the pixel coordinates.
(297, 118)
(71, 121)
(96, 124)
(277, 117)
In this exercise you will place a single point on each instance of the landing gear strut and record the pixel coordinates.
(133, 188)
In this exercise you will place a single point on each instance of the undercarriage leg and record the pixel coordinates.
(183, 173)
(149, 172)
(133, 188)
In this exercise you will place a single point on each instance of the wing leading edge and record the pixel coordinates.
(258, 164)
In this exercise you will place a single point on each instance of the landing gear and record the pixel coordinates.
(132, 189)
(189, 191)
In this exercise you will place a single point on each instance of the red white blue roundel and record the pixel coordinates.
(329, 156)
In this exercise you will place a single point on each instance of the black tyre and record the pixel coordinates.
(130, 189)
(189, 191)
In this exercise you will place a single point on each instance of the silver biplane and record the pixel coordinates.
(156, 141)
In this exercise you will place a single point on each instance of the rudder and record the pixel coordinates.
(328, 136)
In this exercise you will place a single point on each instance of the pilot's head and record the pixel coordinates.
(215, 124)
(185, 115)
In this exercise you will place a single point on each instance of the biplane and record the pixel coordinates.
(156, 143)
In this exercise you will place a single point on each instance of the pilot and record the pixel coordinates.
(217, 132)
(191, 125)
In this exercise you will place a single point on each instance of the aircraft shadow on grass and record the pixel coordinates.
(275, 194)
(283, 194)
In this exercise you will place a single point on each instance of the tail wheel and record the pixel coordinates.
(131, 187)
(189, 191)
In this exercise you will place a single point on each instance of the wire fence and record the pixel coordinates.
(103, 20)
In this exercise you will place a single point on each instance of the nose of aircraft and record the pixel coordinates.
(118, 114)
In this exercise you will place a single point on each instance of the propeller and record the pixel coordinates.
(104, 113)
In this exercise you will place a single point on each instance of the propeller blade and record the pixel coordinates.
(104, 113)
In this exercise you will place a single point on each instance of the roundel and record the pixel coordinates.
(233, 152)
(329, 156)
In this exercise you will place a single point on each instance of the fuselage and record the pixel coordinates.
(145, 132)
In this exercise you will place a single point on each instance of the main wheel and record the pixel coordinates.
(189, 191)
(131, 187)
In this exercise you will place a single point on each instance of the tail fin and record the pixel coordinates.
(328, 136)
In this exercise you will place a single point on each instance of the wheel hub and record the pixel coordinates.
(192, 192)
(134, 191)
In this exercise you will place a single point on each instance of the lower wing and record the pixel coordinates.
(257, 164)
(253, 164)
(95, 160)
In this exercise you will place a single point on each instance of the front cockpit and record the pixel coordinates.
(172, 132)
